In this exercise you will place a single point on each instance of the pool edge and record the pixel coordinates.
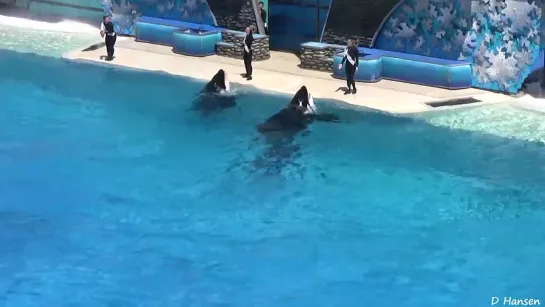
(418, 105)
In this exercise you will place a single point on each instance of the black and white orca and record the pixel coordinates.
(289, 119)
(215, 95)
(301, 111)
(304, 101)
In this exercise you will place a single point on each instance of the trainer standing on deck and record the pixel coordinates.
(108, 33)
(263, 14)
(247, 45)
(350, 61)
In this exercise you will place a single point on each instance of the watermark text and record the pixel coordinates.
(514, 301)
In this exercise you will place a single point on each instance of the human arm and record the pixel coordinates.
(342, 62)
(102, 30)
(357, 57)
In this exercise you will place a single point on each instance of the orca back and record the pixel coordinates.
(211, 101)
(285, 120)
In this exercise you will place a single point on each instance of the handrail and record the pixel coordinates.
(258, 20)
(325, 23)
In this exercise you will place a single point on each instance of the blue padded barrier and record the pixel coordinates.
(159, 31)
(407, 68)
(318, 45)
(375, 64)
(195, 42)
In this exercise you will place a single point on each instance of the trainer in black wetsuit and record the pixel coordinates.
(350, 62)
(247, 45)
(108, 33)
(263, 14)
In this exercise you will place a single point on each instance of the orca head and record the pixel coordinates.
(302, 96)
(220, 80)
(304, 100)
(302, 92)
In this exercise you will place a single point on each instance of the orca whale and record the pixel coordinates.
(289, 119)
(214, 96)
(300, 112)
(281, 129)
(304, 101)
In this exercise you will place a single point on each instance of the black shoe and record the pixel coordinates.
(249, 78)
(354, 91)
(347, 92)
(244, 75)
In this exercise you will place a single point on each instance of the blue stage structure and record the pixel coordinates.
(195, 42)
(500, 39)
(197, 39)
(160, 31)
(492, 45)
(375, 65)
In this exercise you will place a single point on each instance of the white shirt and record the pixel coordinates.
(103, 30)
(246, 46)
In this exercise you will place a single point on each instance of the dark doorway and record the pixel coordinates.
(356, 18)
(293, 22)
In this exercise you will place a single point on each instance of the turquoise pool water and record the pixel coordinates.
(113, 193)
(507, 120)
(43, 42)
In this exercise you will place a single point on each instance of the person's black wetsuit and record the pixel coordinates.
(248, 40)
(109, 38)
(351, 57)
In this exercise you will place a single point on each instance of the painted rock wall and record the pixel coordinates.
(500, 38)
(433, 28)
(503, 43)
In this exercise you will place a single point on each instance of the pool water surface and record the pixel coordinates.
(51, 39)
(114, 193)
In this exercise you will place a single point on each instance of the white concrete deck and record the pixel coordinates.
(281, 74)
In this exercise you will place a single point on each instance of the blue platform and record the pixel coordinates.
(160, 31)
(195, 42)
(375, 65)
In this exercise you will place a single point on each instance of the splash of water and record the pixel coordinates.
(62, 26)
